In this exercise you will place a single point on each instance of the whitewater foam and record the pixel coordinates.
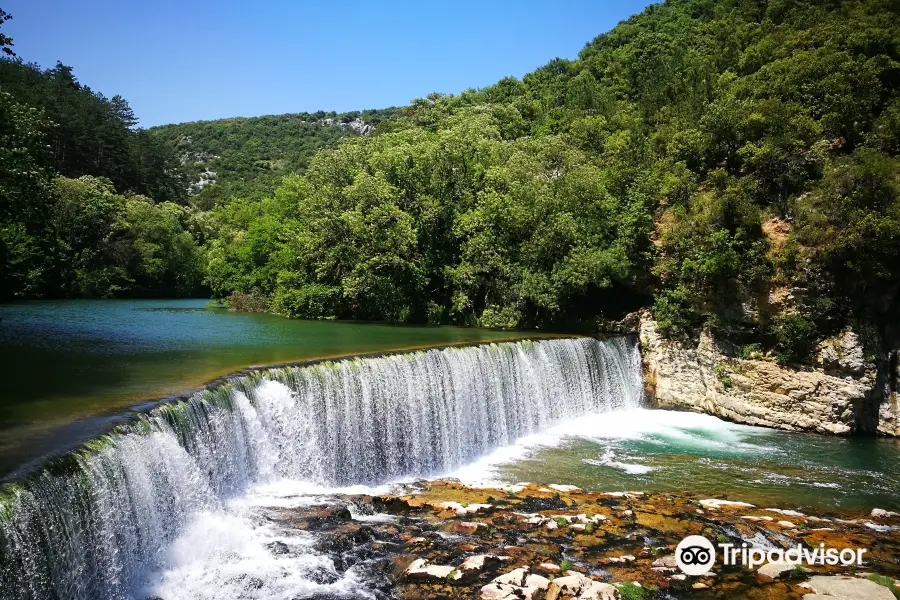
(693, 432)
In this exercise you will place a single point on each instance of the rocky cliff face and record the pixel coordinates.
(843, 394)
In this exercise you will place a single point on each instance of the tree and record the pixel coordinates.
(6, 42)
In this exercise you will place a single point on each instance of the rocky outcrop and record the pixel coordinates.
(889, 413)
(357, 125)
(843, 394)
(207, 178)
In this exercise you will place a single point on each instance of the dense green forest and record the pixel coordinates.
(728, 163)
(89, 204)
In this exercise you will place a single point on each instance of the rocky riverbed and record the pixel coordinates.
(444, 539)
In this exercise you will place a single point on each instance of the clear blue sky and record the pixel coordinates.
(187, 60)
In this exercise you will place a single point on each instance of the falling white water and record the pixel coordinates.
(151, 509)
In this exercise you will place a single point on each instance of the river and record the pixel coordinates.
(71, 368)
(172, 503)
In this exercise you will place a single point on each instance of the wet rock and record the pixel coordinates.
(715, 503)
(599, 591)
(515, 577)
(534, 580)
(464, 509)
(787, 524)
(455, 566)
(278, 548)
(564, 488)
(497, 591)
(536, 504)
(390, 504)
(846, 588)
(880, 513)
(346, 539)
(319, 518)
(467, 527)
(473, 563)
(570, 585)
(774, 570)
(787, 513)
(576, 584)
(667, 562)
(472, 566)
(626, 558)
(623, 494)
(420, 570)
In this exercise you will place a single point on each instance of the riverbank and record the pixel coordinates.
(443, 539)
(843, 391)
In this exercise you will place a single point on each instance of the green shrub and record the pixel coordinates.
(723, 374)
(631, 591)
(671, 315)
(751, 351)
(248, 302)
(506, 317)
(312, 301)
(795, 338)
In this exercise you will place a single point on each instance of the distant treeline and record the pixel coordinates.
(248, 157)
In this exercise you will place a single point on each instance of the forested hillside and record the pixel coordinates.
(90, 205)
(729, 163)
(94, 206)
(248, 157)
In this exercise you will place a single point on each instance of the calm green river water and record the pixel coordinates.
(68, 368)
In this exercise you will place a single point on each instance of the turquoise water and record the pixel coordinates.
(654, 450)
(69, 368)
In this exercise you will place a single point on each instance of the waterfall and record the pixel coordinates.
(94, 525)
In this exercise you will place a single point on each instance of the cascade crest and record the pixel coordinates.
(97, 529)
